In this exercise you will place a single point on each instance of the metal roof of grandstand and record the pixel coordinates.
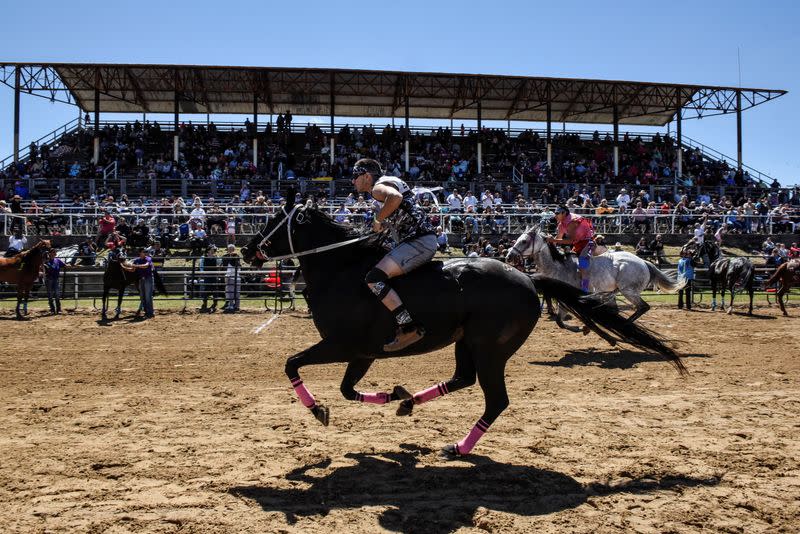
(372, 93)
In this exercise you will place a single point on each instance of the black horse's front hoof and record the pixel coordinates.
(450, 452)
(401, 393)
(406, 407)
(322, 413)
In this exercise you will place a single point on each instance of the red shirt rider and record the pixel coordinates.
(572, 230)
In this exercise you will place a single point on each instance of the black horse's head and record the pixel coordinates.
(295, 229)
(273, 239)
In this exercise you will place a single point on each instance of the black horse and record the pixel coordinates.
(706, 253)
(115, 277)
(728, 273)
(487, 308)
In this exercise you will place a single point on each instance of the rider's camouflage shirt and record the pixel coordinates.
(409, 221)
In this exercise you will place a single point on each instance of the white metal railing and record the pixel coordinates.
(512, 221)
(50, 137)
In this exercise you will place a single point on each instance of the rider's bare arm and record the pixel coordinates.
(391, 199)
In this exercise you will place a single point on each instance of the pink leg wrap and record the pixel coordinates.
(431, 393)
(466, 445)
(373, 398)
(302, 392)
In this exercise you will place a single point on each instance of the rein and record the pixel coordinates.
(288, 219)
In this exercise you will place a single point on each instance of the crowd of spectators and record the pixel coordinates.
(144, 151)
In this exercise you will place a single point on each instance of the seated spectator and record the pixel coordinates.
(656, 247)
(641, 219)
(775, 259)
(16, 244)
(441, 240)
(643, 249)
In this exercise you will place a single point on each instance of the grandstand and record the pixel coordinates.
(142, 167)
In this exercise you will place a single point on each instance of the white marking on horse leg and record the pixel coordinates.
(265, 324)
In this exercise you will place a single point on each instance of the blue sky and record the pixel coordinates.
(681, 42)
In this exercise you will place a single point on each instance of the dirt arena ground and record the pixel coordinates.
(188, 424)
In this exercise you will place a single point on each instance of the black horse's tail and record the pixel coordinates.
(605, 320)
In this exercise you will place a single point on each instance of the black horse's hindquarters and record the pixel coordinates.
(495, 302)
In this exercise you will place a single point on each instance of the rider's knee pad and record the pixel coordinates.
(378, 282)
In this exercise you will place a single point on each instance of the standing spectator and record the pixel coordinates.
(52, 271)
(230, 230)
(623, 199)
(105, 227)
(18, 220)
(144, 265)
(233, 283)
(686, 273)
(209, 266)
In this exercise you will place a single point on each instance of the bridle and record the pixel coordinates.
(528, 233)
(301, 219)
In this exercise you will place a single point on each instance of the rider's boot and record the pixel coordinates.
(408, 332)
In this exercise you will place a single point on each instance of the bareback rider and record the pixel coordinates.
(415, 243)
(578, 232)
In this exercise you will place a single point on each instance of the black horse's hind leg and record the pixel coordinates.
(464, 376)
(354, 373)
(733, 294)
(750, 291)
(322, 352)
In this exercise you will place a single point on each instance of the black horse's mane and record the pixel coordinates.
(344, 231)
(555, 252)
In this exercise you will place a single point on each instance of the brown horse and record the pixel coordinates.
(22, 270)
(787, 274)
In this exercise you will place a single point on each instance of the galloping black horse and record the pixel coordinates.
(728, 272)
(487, 308)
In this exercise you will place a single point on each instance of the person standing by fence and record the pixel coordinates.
(233, 283)
(52, 271)
(686, 272)
(209, 267)
(144, 264)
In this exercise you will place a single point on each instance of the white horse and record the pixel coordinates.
(610, 272)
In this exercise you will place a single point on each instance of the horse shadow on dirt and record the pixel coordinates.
(437, 498)
(608, 359)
